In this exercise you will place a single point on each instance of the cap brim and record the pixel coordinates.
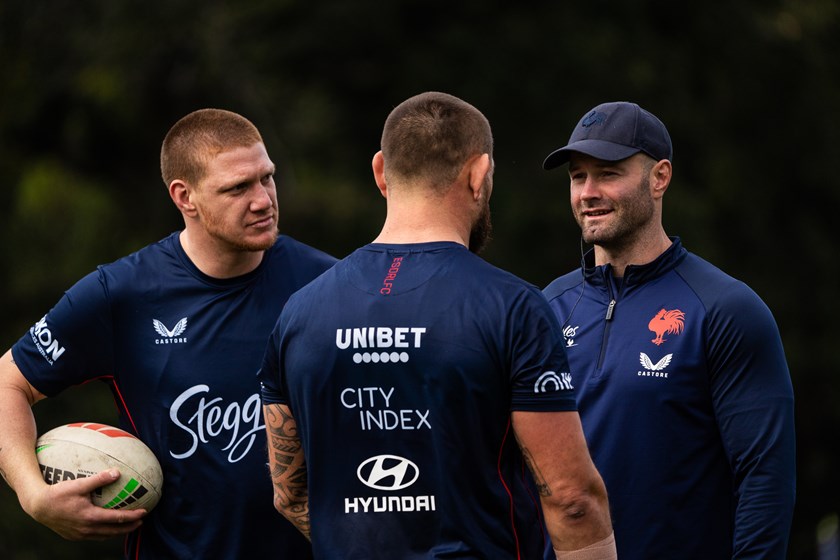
(600, 149)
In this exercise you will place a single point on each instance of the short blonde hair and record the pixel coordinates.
(199, 136)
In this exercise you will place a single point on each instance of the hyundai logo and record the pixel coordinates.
(388, 472)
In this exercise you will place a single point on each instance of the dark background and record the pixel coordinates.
(750, 92)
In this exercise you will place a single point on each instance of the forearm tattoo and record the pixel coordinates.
(288, 468)
(543, 488)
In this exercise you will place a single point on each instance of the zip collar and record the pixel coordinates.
(634, 274)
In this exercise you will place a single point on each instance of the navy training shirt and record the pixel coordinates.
(179, 350)
(687, 406)
(401, 366)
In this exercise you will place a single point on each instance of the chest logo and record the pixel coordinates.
(666, 322)
(658, 366)
(177, 330)
(569, 333)
(652, 369)
(174, 336)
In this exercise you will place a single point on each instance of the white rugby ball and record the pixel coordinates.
(85, 449)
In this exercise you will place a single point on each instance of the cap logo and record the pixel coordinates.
(593, 117)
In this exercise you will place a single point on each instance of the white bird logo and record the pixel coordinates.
(163, 331)
(658, 366)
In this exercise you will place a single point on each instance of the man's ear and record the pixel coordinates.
(479, 167)
(181, 195)
(378, 165)
(660, 177)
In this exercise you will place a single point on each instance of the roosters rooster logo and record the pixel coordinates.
(666, 322)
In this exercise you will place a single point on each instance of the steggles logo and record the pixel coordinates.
(569, 333)
(170, 336)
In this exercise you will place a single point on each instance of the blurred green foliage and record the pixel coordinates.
(748, 91)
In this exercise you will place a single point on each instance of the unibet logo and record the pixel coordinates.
(386, 340)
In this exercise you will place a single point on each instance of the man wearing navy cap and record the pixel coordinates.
(682, 382)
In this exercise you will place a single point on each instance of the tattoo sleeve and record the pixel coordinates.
(288, 467)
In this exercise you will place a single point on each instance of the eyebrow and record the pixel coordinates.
(246, 179)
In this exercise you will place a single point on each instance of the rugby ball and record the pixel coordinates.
(85, 449)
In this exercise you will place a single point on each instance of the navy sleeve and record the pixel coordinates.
(269, 374)
(753, 401)
(540, 376)
(71, 343)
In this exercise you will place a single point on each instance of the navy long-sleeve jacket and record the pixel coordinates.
(687, 405)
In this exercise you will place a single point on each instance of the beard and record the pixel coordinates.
(630, 216)
(481, 231)
(219, 230)
(245, 245)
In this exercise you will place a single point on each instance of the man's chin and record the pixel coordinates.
(259, 243)
(266, 245)
(593, 236)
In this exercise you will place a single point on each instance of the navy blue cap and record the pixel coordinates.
(615, 131)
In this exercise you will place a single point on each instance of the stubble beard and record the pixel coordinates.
(239, 242)
(631, 217)
(254, 246)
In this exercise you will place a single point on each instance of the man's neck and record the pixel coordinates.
(423, 222)
(217, 260)
(642, 252)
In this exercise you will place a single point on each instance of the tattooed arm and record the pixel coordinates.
(288, 466)
(572, 493)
